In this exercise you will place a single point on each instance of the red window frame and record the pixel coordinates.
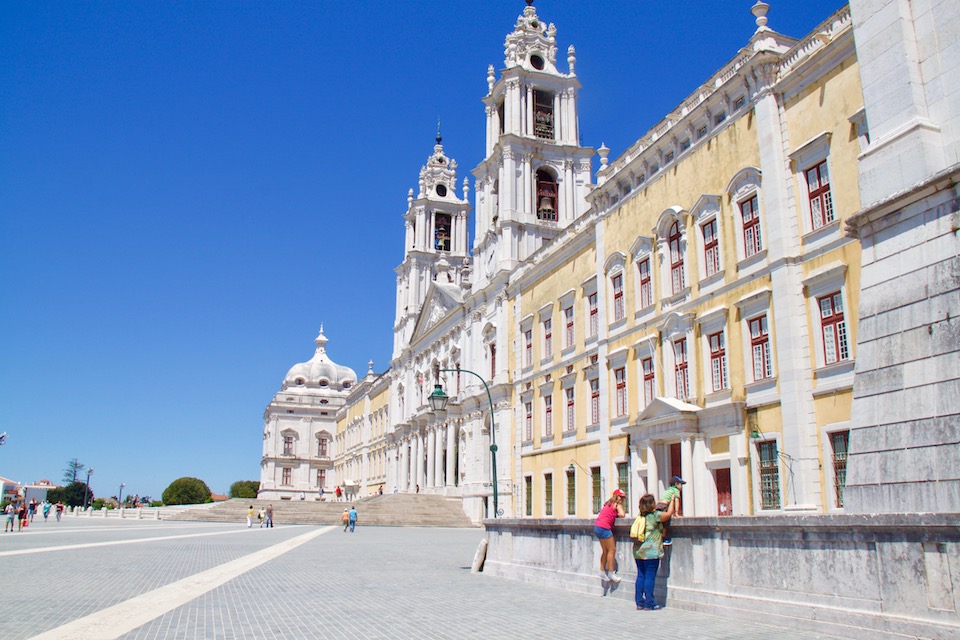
(620, 375)
(286, 476)
(649, 381)
(821, 200)
(322, 447)
(594, 401)
(568, 320)
(833, 328)
(571, 413)
(321, 477)
(711, 247)
(594, 314)
(674, 237)
(760, 348)
(617, 284)
(528, 347)
(750, 214)
(646, 283)
(528, 421)
(548, 415)
(718, 360)
(680, 369)
(288, 445)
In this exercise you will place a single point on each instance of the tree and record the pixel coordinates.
(244, 489)
(186, 491)
(74, 468)
(71, 495)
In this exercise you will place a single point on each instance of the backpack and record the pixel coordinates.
(638, 530)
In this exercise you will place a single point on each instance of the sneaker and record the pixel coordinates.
(668, 542)
(614, 578)
(655, 607)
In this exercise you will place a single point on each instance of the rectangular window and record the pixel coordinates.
(528, 347)
(649, 381)
(684, 144)
(711, 247)
(441, 232)
(528, 495)
(594, 314)
(528, 421)
(818, 188)
(752, 242)
(769, 475)
(680, 368)
(720, 117)
(621, 382)
(288, 445)
(701, 131)
(321, 477)
(838, 442)
(674, 239)
(571, 493)
(547, 338)
(286, 477)
(548, 494)
(739, 102)
(543, 114)
(596, 496)
(718, 361)
(760, 347)
(834, 328)
(594, 401)
(623, 480)
(617, 282)
(646, 283)
(568, 327)
(668, 158)
(322, 450)
(548, 416)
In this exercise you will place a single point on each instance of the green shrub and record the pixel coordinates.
(186, 491)
(244, 489)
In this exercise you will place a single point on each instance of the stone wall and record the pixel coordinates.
(870, 577)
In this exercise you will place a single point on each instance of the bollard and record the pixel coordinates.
(139, 514)
(156, 514)
(103, 512)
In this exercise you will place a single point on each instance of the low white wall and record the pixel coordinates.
(885, 576)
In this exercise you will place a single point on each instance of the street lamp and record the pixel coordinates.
(120, 495)
(438, 402)
(86, 488)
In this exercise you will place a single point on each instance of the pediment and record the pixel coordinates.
(660, 408)
(440, 300)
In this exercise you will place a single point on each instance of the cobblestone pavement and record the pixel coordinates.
(141, 580)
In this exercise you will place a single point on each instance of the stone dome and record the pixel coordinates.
(320, 370)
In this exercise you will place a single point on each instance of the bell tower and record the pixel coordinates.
(535, 177)
(435, 245)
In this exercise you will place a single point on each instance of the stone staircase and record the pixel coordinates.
(390, 510)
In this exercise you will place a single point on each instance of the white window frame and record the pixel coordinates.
(662, 230)
(711, 322)
(640, 252)
(744, 185)
(643, 350)
(705, 211)
(674, 328)
(809, 155)
(614, 268)
(591, 326)
(830, 376)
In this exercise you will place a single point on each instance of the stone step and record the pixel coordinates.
(394, 510)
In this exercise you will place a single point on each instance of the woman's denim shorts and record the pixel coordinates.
(601, 533)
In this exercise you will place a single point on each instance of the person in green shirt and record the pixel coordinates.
(672, 494)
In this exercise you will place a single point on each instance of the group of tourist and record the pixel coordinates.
(264, 516)
(649, 533)
(17, 515)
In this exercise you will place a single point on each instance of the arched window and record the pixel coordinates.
(546, 196)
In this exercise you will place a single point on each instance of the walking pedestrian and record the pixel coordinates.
(250, 517)
(8, 518)
(46, 510)
(603, 529)
(59, 507)
(647, 530)
(270, 516)
(338, 492)
(353, 518)
(260, 516)
(345, 519)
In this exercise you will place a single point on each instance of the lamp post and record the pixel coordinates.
(120, 495)
(438, 402)
(86, 488)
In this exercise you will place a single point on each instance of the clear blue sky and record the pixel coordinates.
(189, 189)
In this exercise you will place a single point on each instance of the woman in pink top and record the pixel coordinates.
(603, 529)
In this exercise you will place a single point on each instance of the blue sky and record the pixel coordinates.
(189, 189)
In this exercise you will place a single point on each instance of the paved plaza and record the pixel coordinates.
(138, 580)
